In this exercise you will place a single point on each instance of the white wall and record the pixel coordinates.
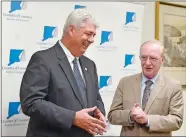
(149, 20)
(184, 123)
(182, 131)
(0, 73)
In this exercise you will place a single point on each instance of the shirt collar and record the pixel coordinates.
(67, 52)
(144, 79)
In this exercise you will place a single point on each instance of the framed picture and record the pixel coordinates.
(170, 29)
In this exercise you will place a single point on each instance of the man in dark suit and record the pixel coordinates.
(59, 90)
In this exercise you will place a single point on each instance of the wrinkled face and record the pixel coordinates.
(151, 60)
(82, 37)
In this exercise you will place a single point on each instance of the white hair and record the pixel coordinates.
(156, 42)
(78, 17)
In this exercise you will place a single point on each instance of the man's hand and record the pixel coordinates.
(132, 113)
(100, 116)
(139, 115)
(141, 118)
(85, 121)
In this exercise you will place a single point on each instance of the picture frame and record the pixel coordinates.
(170, 29)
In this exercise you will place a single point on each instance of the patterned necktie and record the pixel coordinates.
(146, 93)
(80, 82)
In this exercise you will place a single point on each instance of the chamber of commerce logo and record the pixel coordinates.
(106, 36)
(104, 81)
(13, 109)
(106, 42)
(79, 7)
(16, 5)
(15, 62)
(48, 35)
(49, 32)
(16, 55)
(130, 23)
(15, 116)
(130, 17)
(129, 59)
(13, 13)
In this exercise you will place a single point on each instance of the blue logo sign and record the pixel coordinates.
(12, 15)
(79, 7)
(49, 32)
(130, 17)
(15, 5)
(15, 56)
(106, 36)
(105, 81)
(13, 109)
(129, 59)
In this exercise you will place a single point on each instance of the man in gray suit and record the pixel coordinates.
(59, 90)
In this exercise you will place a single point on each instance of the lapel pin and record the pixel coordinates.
(86, 69)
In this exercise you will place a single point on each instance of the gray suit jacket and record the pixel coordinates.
(50, 96)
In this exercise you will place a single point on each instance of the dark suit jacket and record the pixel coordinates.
(50, 96)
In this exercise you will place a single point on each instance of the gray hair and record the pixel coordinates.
(78, 17)
(156, 42)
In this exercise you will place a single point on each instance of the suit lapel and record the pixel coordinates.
(86, 74)
(65, 66)
(159, 83)
(137, 89)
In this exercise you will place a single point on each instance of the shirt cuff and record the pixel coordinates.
(130, 121)
(147, 125)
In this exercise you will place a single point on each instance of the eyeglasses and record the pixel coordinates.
(151, 59)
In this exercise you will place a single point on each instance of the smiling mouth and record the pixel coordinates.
(148, 68)
(86, 46)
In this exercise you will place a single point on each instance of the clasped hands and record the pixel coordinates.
(138, 115)
(93, 125)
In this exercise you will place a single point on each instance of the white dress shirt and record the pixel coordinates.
(70, 58)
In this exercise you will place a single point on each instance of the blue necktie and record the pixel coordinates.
(80, 82)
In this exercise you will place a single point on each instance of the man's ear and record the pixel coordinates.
(71, 30)
(162, 58)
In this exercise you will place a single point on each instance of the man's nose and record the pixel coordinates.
(148, 61)
(91, 39)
